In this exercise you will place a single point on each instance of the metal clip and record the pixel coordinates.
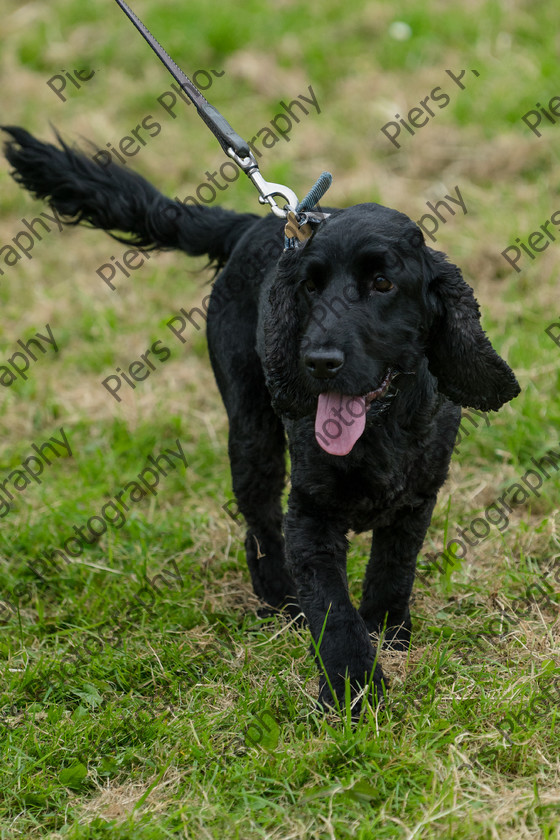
(266, 189)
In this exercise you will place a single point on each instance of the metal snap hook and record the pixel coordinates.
(266, 189)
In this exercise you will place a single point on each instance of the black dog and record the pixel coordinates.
(360, 346)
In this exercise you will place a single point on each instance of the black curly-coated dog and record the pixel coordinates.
(360, 347)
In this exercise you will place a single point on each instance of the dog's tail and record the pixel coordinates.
(115, 199)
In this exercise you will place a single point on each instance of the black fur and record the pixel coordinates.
(284, 328)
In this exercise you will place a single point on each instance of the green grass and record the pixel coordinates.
(132, 710)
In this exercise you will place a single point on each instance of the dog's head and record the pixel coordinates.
(364, 302)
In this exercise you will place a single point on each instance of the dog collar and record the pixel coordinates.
(300, 228)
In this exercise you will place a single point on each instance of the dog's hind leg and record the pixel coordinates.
(256, 451)
(256, 447)
(390, 575)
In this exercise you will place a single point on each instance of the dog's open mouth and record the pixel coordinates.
(341, 419)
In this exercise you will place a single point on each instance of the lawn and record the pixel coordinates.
(141, 696)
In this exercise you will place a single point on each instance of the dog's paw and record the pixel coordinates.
(395, 637)
(371, 687)
(288, 609)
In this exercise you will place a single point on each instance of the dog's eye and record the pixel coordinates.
(310, 286)
(381, 284)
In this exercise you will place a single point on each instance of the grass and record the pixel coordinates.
(140, 696)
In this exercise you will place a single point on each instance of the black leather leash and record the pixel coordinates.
(218, 125)
(301, 221)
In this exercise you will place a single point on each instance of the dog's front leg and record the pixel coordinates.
(316, 558)
(390, 574)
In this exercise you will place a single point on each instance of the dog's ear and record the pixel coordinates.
(282, 334)
(468, 369)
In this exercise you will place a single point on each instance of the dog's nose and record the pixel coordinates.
(324, 364)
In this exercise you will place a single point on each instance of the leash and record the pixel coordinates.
(301, 221)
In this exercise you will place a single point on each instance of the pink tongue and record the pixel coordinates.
(339, 422)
